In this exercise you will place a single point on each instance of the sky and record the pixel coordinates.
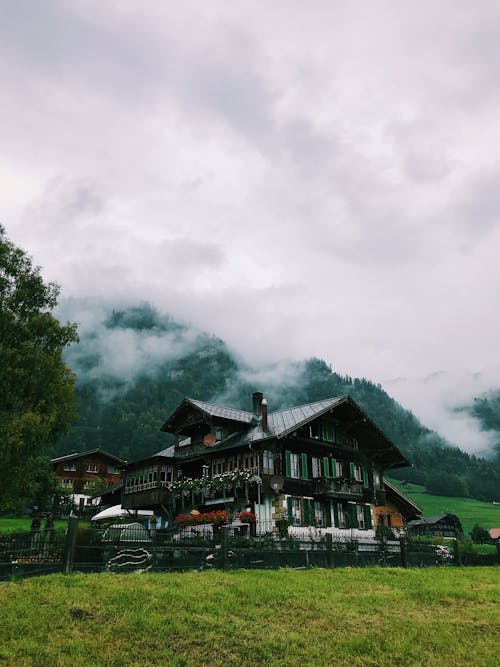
(300, 179)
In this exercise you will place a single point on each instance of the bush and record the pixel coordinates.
(480, 535)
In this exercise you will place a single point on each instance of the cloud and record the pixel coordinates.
(301, 183)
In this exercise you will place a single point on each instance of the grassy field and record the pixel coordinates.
(468, 510)
(282, 618)
(9, 525)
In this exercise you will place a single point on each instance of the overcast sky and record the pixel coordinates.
(301, 179)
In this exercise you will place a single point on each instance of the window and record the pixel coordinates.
(319, 517)
(67, 482)
(268, 462)
(295, 465)
(92, 467)
(354, 443)
(113, 470)
(340, 469)
(361, 516)
(316, 466)
(376, 479)
(358, 473)
(341, 515)
(70, 467)
(296, 512)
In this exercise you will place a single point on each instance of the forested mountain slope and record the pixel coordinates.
(134, 366)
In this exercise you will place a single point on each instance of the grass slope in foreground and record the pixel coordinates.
(468, 510)
(286, 617)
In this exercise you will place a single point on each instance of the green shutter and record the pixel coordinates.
(327, 512)
(306, 508)
(351, 468)
(336, 515)
(303, 461)
(328, 432)
(368, 517)
(326, 466)
(353, 515)
(289, 509)
(288, 463)
(365, 478)
(334, 467)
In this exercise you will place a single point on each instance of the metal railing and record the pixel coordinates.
(338, 486)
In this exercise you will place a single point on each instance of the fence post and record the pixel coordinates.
(70, 543)
(223, 546)
(402, 546)
(456, 553)
(329, 550)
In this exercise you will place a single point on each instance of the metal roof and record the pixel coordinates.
(222, 411)
(78, 455)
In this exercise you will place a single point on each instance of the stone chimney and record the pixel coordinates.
(257, 403)
(264, 414)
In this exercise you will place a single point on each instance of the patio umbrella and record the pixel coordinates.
(118, 511)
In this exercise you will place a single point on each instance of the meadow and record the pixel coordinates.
(469, 510)
(286, 617)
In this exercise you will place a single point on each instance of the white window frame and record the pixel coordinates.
(296, 512)
(267, 462)
(294, 465)
(360, 510)
(316, 467)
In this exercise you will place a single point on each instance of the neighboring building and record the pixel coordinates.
(319, 465)
(443, 525)
(78, 471)
(394, 509)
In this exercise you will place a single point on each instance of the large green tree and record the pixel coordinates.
(37, 400)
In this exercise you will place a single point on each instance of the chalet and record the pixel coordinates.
(442, 525)
(78, 471)
(397, 510)
(319, 465)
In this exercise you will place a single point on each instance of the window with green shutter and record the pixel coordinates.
(328, 432)
(368, 517)
(336, 515)
(366, 483)
(334, 467)
(328, 514)
(326, 466)
(307, 511)
(351, 468)
(303, 465)
(288, 463)
(352, 513)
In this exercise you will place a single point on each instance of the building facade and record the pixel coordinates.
(318, 466)
(78, 472)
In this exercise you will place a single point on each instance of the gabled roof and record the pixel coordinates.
(399, 496)
(90, 452)
(431, 520)
(208, 410)
(282, 423)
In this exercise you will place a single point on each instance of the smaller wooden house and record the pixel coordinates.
(77, 471)
(443, 525)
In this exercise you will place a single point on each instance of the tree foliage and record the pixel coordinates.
(36, 388)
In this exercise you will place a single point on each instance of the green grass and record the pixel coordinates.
(468, 510)
(282, 618)
(8, 525)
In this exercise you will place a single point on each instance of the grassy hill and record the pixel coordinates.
(468, 510)
(355, 617)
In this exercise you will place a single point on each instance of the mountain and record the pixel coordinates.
(134, 365)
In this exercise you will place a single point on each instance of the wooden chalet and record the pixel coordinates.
(77, 471)
(318, 465)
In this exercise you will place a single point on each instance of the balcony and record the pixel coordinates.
(338, 488)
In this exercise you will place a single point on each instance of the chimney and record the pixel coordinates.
(257, 402)
(264, 414)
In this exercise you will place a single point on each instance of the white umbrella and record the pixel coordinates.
(118, 511)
